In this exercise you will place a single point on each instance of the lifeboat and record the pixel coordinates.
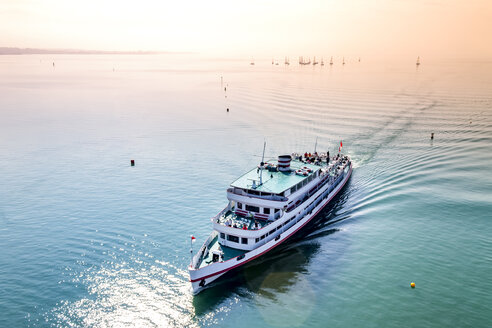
(301, 172)
(307, 169)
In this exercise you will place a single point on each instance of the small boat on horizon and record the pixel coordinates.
(418, 61)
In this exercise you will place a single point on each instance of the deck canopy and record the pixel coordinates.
(274, 182)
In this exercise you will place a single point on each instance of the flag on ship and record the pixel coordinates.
(193, 239)
(340, 148)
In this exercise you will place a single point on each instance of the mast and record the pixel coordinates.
(262, 163)
(315, 144)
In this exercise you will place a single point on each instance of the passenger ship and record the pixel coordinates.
(267, 206)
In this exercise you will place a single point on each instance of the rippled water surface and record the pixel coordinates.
(88, 241)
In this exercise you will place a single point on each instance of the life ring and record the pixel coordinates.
(300, 172)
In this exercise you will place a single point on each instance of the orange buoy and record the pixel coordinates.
(412, 284)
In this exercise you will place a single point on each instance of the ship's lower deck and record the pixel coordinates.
(228, 252)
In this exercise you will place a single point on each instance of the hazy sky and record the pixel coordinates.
(432, 28)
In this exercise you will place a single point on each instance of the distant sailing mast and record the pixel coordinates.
(322, 62)
(331, 60)
(343, 61)
(252, 61)
(418, 61)
(287, 61)
(314, 61)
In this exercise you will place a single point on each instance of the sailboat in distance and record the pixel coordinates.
(418, 61)
(343, 61)
(331, 60)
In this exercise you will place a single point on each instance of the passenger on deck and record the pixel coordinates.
(245, 227)
(228, 222)
(256, 225)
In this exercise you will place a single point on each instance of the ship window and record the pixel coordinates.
(244, 240)
(222, 235)
(232, 238)
(272, 231)
(252, 208)
(262, 237)
(293, 190)
(239, 205)
(257, 240)
(266, 210)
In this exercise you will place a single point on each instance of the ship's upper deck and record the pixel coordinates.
(274, 182)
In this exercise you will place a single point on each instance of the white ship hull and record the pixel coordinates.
(201, 278)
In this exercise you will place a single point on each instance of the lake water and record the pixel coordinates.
(87, 240)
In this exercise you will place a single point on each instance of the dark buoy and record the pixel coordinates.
(432, 136)
(132, 162)
(228, 110)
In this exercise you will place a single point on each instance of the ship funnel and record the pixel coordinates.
(284, 163)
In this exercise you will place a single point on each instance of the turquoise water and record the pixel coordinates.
(89, 241)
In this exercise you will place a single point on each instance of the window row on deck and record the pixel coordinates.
(304, 182)
(256, 209)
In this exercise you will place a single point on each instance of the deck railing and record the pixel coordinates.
(197, 259)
